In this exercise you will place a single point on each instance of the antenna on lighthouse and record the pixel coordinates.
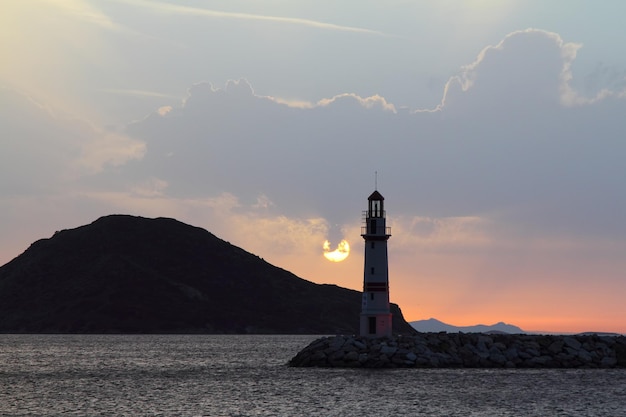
(375, 180)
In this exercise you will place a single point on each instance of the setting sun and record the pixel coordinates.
(339, 254)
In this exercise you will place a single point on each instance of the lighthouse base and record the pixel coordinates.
(375, 324)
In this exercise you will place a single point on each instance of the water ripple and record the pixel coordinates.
(246, 376)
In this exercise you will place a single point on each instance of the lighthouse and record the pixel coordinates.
(375, 313)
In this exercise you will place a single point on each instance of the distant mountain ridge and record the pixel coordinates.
(434, 326)
(128, 274)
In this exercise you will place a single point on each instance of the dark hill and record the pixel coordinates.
(125, 274)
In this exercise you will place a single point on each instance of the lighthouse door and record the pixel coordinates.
(372, 325)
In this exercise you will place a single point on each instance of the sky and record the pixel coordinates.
(495, 130)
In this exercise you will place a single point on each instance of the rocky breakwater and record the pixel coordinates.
(465, 350)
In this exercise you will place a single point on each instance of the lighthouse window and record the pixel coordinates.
(372, 270)
(376, 208)
(371, 296)
(372, 245)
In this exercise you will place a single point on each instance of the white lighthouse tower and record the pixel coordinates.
(375, 313)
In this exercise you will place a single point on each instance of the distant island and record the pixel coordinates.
(434, 326)
(128, 274)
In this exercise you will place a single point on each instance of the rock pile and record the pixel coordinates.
(465, 350)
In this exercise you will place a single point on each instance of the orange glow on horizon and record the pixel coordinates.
(532, 323)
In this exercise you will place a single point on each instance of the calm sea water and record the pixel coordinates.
(246, 376)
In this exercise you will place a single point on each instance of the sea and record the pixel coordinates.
(242, 375)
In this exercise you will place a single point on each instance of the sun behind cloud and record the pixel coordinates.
(339, 254)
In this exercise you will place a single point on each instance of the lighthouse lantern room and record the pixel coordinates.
(375, 312)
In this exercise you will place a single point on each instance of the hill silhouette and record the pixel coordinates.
(127, 274)
(435, 326)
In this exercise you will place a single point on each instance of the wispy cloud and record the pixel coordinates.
(84, 11)
(187, 10)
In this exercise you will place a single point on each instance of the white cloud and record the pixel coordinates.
(530, 67)
(371, 102)
(525, 68)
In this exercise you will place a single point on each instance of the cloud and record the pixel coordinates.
(32, 158)
(44, 149)
(108, 148)
(371, 102)
(526, 68)
(503, 147)
(196, 11)
(85, 12)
